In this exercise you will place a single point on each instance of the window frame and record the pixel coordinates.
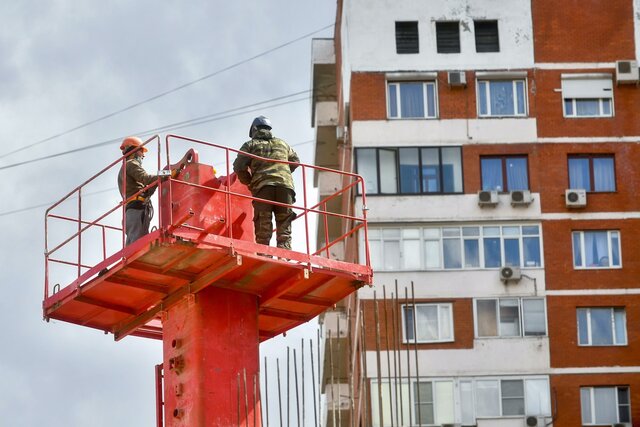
(576, 87)
(421, 166)
(483, 239)
(442, 27)
(410, 49)
(480, 80)
(416, 326)
(583, 258)
(591, 390)
(612, 325)
(499, 379)
(592, 179)
(503, 160)
(521, 318)
(426, 83)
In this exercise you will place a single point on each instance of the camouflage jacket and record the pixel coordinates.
(257, 173)
(136, 178)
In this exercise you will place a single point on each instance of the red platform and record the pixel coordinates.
(193, 248)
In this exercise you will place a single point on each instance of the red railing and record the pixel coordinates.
(85, 218)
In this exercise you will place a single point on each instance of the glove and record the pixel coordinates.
(174, 172)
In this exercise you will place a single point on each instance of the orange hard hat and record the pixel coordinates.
(132, 142)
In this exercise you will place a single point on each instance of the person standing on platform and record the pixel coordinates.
(269, 181)
(133, 178)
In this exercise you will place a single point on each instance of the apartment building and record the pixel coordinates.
(499, 144)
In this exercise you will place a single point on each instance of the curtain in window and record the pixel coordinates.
(451, 170)
(601, 331)
(587, 107)
(579, 174)
(487, 398)
(427, 323)
(491, 174)
(596, 248)
(605, 405)
(603, 174)
(533, 314)
(411, 100)
(409, 170)
(517, 176)
(537, 393)
(368, 168)
(501, 94)
(388, 171)
(393, 100)
(487, 318)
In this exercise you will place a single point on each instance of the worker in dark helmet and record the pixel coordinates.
(138, 211)
(269, 181)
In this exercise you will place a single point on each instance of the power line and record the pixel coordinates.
(165, 93)
(28, 208)
(178, 125)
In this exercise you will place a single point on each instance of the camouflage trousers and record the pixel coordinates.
(262, 213)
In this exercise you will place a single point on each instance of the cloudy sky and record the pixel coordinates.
(116, 66)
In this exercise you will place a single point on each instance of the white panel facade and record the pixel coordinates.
(454, 284)
(521, 356)
(380, 133)
(371, 30)
(445, 208)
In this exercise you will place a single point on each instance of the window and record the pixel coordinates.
(586, 95)
(445, 248)
(433, 402)
(502, 98)
(407, 37)
(487, 39)
(596, 249)
(602, 326)
(448, 37)
(433, 323)
(510, 317)
(504, 397)
(412, 100)
(432, 170)
(594, 173)
(605, 405)
(505, 173)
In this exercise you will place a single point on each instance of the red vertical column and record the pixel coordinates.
(211, 360)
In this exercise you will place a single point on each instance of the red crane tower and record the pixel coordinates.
(198, 281)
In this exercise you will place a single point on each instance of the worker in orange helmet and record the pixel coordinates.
(133, 178)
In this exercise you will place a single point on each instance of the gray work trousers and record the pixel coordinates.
(137, 222)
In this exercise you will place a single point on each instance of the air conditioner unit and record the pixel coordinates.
(521, 198)
(510, 274)
(457, 78)
(531, 421)
(627, 72)
(620, 425)
(575, 198)
(487, 198)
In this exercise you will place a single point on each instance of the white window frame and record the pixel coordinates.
(499, 380)
(590, 86)
(612, 325)
(610, 234)
(487, 80)
(593, 406)
(416, 324)
(520, 318)
(402, 387)
(440, 242)
(425, 101)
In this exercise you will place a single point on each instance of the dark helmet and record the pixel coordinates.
(260, 122)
